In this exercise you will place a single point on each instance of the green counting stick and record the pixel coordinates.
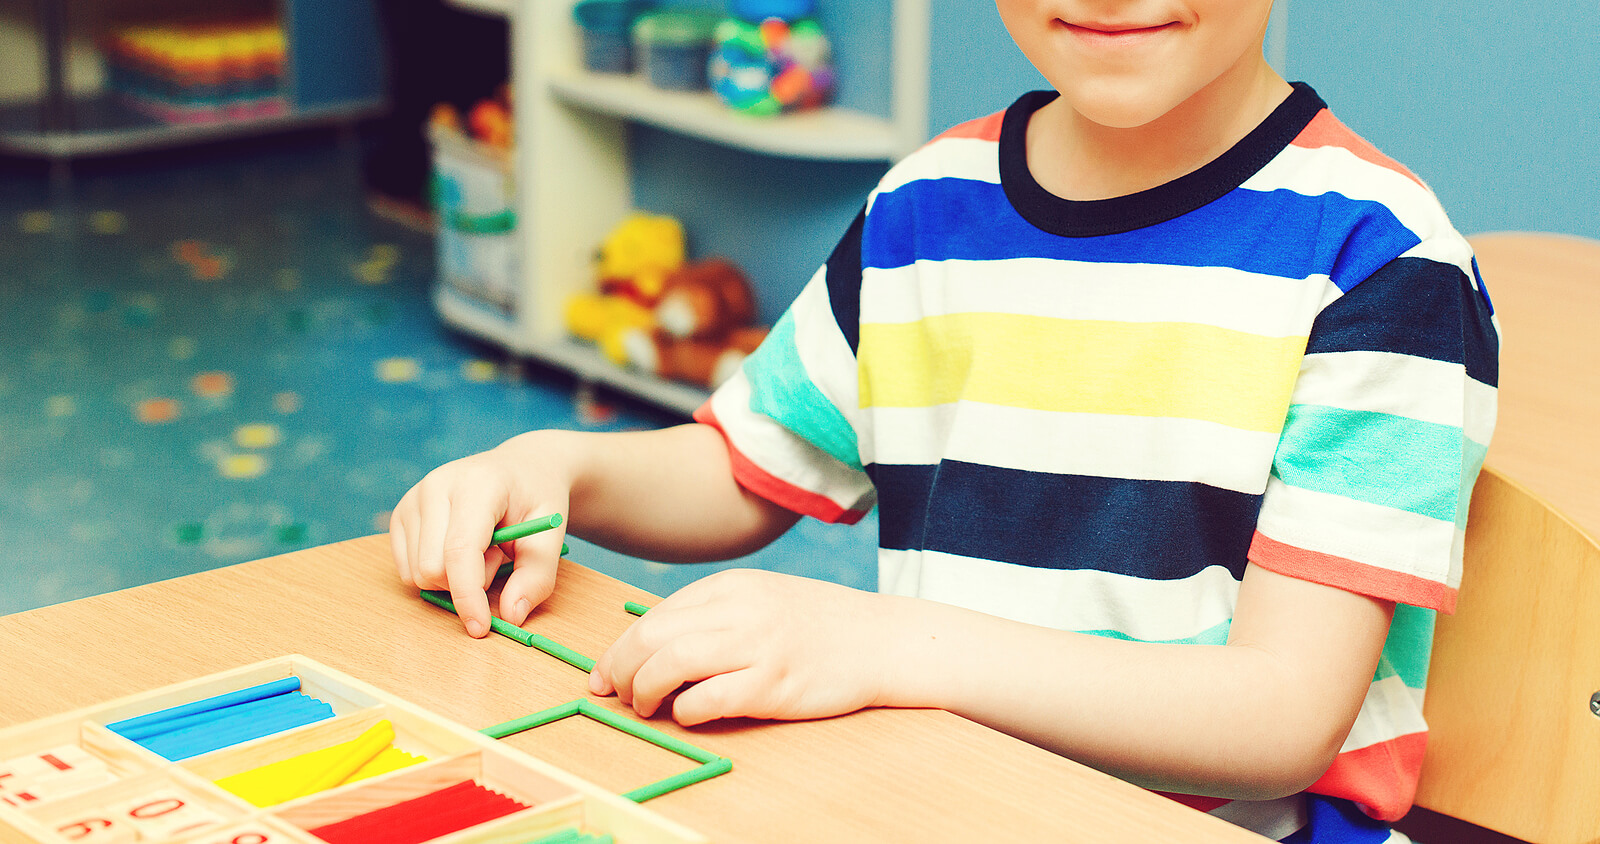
(511, 533)
(571, 657)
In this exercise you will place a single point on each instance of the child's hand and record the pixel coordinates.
(441, 528)
(761, 645)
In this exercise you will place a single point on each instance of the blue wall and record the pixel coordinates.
(1493, 103)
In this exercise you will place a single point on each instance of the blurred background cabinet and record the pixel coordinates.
(332, 69)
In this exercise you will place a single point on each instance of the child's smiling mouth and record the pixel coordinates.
(1114, 34)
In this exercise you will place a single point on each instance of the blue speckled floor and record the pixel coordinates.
(220, 356)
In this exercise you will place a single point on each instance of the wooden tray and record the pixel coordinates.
(179, 801)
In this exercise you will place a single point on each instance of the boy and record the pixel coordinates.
(1170, 392)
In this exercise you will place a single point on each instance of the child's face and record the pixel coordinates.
(1124, 63)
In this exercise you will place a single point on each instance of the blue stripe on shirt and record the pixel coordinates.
(1275, 233)
(1163, 530)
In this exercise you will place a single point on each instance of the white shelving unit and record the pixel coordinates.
(572, 169)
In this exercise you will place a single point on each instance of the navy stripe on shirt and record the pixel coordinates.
(1413, 306)
(843, 275)
(1163, 530)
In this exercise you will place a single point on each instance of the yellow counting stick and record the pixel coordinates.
(287, 779)
(364, 749)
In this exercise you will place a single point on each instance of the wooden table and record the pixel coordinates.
(1546, 291)
(876, 775)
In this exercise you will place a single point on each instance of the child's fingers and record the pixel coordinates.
(730, 695)
(663, 628)
(427, 554)
(688, 658)
(465, 541)
(397, 548)
(529, 585)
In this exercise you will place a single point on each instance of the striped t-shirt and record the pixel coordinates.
(1090, 415)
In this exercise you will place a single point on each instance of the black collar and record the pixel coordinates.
(1093, 218)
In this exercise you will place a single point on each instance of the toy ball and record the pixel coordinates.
(772, 66)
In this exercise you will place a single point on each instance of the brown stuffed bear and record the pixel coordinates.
(703, 325)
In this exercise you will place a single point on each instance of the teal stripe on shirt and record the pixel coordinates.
(781, 390)
(1406, 651)
(1472, 456)
(1392, 461)
(1217, 634)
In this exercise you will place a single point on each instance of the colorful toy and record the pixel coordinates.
(703, 328)
(770, 67)
(631, 269)
(638, 255)
(605, 320)
(487, 121)
(199, 72)
(705, 363)
(379, 769)
(704, 300)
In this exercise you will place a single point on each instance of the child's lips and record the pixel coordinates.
(1115, 34)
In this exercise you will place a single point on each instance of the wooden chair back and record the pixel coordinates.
(1514, 684)
(1546, 292)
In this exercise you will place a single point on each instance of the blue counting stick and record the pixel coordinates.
(148, 720)
(140, 732)
(285, 713)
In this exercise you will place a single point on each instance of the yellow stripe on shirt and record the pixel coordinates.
(1175, 369)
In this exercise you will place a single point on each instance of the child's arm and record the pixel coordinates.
(666, 494)
(1259, 717)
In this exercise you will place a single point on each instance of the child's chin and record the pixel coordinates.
(1122, 106)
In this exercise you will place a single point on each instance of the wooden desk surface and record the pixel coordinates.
(877, 775)
(1546, 291)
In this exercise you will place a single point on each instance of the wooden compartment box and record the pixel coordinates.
(98, 786)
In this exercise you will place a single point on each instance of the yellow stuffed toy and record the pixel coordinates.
(631, 269)
(638, 255)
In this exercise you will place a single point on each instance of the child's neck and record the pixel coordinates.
(1076, 158)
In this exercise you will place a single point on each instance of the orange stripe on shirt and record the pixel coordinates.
(1381, 778)
(1325, 130)
(774, 489)
(1352, 576)
(984, 128)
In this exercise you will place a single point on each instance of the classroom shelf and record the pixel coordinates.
(102, 125)
(580, 359)
(573, 172)
(333, 74)
(831, 134)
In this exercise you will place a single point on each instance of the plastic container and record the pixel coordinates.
(475, 199)
(674, 46)
(606, 27)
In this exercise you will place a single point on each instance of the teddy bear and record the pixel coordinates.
(631, 268)
(703, 327)
(638, 255)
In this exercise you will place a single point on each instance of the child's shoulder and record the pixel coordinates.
(986, 128)
(1328, 158)
(968, 151)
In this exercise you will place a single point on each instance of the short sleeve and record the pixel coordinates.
(791, 414)
(1386, 430)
